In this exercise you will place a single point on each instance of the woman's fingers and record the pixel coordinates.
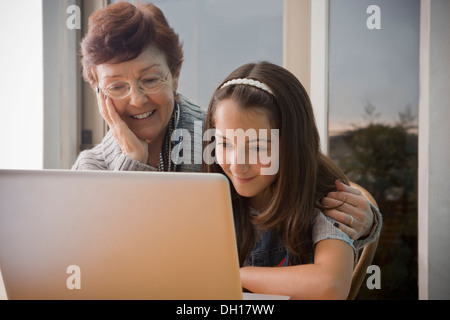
(118, 126)
(343, 187)
(351, 210)
(347, 204)
(102, 108)
(112, 118)
(345, 209)
(348, 194)
(130, 144)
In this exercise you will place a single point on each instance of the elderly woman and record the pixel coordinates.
(132, 59)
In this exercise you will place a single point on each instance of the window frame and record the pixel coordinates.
(315, 79)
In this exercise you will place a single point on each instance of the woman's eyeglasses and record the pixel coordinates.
(122, 89)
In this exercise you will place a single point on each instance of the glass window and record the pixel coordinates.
(373, 108)
(221, 35)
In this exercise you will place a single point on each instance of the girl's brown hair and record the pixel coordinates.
(122, 31)
(305, 174)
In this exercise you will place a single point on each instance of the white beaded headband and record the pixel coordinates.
(249, 82)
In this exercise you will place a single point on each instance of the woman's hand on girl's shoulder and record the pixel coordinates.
(355, 216)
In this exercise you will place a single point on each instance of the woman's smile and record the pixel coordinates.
(143, 116)
(147, 115)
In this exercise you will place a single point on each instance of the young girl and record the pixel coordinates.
(278, 216)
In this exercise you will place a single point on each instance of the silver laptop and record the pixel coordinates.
(117, 235)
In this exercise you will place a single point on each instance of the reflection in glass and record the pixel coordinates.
(373, 107)
(220, 35)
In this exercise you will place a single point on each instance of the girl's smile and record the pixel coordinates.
(243, 180)
(233, 157)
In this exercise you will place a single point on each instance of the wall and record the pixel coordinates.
(434, 151)
(21, 120)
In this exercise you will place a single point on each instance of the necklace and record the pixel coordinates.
(165, 156)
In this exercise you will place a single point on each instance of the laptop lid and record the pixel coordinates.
(117, 235)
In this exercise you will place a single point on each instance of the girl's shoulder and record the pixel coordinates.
(324, 228)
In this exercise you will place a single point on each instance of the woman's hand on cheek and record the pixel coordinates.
(130, 144)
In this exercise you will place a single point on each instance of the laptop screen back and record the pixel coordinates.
(117, 235)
